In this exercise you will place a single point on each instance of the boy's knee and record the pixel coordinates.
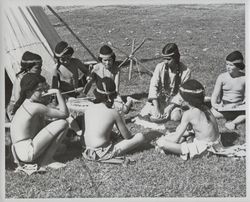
(140, 137)
(176, 115)
(63, 123)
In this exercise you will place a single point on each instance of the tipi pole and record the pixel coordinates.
(79, 40)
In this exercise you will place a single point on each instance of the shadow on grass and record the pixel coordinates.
(74, 150)
(228, 138)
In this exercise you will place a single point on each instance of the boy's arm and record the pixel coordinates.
(61, 111)
(180, 130)
(122, 126)
(83, 68)
(117, 81)
(216, 93)
(154, 84)
(16, 89)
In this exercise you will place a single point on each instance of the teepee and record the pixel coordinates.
(27, 28)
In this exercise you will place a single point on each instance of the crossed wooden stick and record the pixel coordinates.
(131, 57)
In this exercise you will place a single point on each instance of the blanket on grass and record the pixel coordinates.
(146, 122)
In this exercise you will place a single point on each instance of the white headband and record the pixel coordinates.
(105, 92)
(191, 91)
(105, 56)
(167, 55)
(62, 53)
(31, 61)
(236, 61)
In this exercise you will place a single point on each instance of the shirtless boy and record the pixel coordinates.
(199, 118)
(31, 138)
(99, 121)
(30, 63)
(66, 74)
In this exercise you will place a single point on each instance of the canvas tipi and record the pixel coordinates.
(27, 28)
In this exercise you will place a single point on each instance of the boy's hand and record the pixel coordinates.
(51, 91)
(156, 114)
(218, 106)
(168, 110)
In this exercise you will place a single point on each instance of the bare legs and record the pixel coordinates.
(130, 144)
(47, 141)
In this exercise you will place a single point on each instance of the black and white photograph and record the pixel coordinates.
(124, 100)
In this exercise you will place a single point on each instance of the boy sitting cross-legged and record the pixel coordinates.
(202, 121)
(99, 121)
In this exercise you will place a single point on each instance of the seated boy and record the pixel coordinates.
(108, 67)
(229, 92)
(31, 137)
(163, 98)
(66, 75)
(202, 121)
(99, 121)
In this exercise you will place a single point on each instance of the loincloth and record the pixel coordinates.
(198, 147)
(24, 150)
(100, 153)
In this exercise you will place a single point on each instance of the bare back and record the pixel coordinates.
(99, 121)
(205, 130)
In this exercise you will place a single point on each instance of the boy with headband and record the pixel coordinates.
(200, 119)
(99, 121)
(163, 98)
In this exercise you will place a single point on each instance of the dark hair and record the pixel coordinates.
(113, 56)
(105, 91)
(193, 92)
(26, 63)
(28, 83)
(236, 58)
(172, 48)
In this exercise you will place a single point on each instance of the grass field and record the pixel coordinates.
(205, 34)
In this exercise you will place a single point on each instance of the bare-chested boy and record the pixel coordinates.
(66, 74)
(229, 92)
(99, 121)
(30, 63)
(199, 118)
(30, 136)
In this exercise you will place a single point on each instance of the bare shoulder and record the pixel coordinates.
(190, 114)
(39, 108)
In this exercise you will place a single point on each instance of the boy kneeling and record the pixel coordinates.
(99, 121)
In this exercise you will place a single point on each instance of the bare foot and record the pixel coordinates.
(56, 165)
(230, 125)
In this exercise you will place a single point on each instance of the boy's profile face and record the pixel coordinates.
(231, 68)
(36, 69)
(39, 91)
(65, 59)
(108, 62)
(169, 61)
